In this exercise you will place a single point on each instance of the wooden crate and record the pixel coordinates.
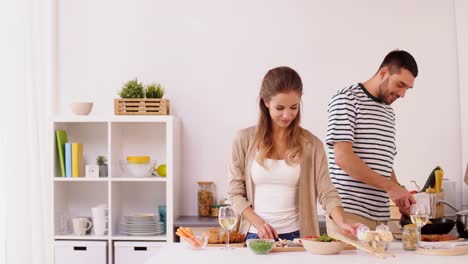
(141, 106)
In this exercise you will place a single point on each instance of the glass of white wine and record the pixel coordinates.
(419, 216)
(227, 220)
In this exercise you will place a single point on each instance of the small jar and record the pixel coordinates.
(205, 198)
(410, 238)
(214, 210)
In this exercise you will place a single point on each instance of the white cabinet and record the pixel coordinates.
(116, 138)
(78, 252)
(130, 252)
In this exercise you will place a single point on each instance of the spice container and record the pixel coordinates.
(214, 210)
(410, 238)
(205, 198)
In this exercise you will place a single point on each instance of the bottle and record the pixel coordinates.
(205, 198)
(410, 238)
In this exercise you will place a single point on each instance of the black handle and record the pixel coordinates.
(140, 248)
(79, 248)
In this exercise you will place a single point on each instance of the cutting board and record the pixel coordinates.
(288, 249)
(237, 245)
(460, 250)
(299, 249)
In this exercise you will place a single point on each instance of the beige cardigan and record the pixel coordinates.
(314, 181)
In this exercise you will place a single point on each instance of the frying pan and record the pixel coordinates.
(437, 226)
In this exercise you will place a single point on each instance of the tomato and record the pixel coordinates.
(311, 237)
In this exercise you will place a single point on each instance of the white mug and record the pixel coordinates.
(99, 212)
(81, 225)
(100, 226)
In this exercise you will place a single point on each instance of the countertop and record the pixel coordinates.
(181, 253)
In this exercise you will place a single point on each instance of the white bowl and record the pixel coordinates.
(136, 169)
(81, 108)
(322, 248)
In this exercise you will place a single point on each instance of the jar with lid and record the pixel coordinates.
(205, 198)
(410, 238)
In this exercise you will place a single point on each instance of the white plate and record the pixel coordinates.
(141, 234)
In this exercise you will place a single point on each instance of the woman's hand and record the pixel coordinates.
(266, 231)
(348, 228)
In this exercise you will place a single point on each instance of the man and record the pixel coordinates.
(361, 141)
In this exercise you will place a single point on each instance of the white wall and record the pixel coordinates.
(212, 55)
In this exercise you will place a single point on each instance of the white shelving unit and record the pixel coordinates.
(116, 138)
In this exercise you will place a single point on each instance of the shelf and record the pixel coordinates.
(162, 237)
(80, 179)
(133, 179)
(87, 237)
(134, 118)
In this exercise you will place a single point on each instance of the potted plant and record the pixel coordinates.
(132, 89)
(154, 90)
(102, 163)
(137, 99)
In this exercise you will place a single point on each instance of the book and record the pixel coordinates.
(68, 159)
(61, 136)
(77, 159)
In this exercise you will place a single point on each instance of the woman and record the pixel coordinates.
(278, 170)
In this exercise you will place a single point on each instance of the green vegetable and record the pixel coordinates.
(261, 246)
(325, 238)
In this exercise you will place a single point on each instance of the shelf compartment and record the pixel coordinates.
(75, 199)
(136, 139)
(135, 198)
(93, 136)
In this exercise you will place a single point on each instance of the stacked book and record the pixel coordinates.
(70, 156)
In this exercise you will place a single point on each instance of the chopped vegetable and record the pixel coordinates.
(325, 238)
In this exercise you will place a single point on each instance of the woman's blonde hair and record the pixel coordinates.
(278, 80)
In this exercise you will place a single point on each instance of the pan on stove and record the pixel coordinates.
(438, 226)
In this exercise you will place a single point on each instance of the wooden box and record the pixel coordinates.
(141, 106)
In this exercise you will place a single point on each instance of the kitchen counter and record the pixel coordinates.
(181, 253)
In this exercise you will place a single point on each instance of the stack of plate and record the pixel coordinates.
(141, 225)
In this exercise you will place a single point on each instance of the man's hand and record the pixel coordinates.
(401, 197)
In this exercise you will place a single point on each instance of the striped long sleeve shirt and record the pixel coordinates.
(355, 116)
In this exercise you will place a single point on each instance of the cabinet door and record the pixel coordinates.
(77, 252)
(135, 252)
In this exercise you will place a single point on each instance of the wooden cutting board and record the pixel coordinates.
(299, 249)
(237, 245)
(288, 249)
(455, 251)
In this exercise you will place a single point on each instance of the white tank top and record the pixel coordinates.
(276, 194)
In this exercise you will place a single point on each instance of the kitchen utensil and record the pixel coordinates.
(436, 225)
(461, 221)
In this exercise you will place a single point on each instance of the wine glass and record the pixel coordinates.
(419, 214)
(227, 220)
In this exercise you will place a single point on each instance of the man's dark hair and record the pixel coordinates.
(398, 59)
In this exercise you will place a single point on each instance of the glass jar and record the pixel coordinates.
(410, 238)
(214, 210)
(205, 198)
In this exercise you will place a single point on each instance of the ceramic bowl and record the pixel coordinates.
(81, 108)
(136, 169)
(322, 248)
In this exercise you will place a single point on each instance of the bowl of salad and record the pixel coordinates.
(322, 245)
